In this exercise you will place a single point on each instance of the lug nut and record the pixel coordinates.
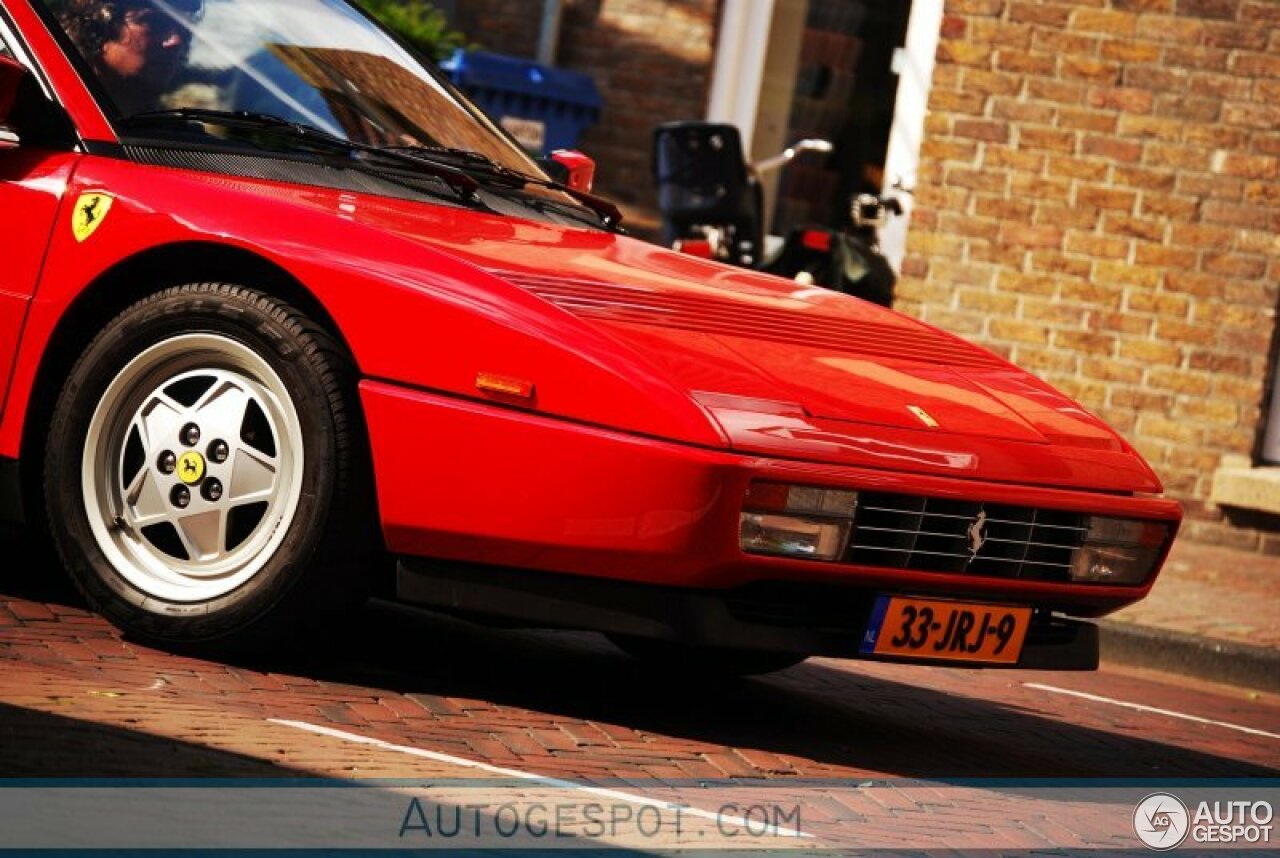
(167, 463)
(218, 452)
(180, 496)
(212, 490)
(190, 434)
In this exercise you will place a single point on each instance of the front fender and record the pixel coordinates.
(411, 313)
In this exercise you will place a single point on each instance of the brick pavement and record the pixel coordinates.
(565, 704)
(58, 723)
(77, 700)
(1217, 593)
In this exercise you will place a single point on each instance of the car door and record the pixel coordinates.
(33, 179)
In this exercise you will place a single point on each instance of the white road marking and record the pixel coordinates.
(558, 783)
(1141, 708)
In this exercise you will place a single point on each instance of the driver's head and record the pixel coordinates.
(140, 42)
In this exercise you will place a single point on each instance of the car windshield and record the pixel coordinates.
(318, 63)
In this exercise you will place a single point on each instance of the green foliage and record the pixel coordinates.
(418, 23)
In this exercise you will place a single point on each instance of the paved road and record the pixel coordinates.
(76, 700)
(401, 695)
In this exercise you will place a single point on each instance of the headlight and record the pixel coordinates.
(797, 521)
(1119, 551)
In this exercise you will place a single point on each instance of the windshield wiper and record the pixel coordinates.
(479, 163)
(455, 177)
(458, 168)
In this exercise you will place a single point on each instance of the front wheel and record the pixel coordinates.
(204, 475)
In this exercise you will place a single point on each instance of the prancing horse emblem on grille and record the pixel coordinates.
(977, 534)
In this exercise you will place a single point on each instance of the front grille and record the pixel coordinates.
(940, 535)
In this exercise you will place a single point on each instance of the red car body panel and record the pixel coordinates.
(524, 490)
(410, 313)
(422, 309)
(35, 181)
(662, 384)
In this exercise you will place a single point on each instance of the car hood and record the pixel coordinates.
(779, 369)
(797, 371)
(836, 358)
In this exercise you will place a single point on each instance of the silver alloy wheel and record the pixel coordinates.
(192, 468)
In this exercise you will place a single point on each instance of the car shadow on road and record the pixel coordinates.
(839, 717)
(842, 718)
(74, 784)
(30, 569)
(39, 744)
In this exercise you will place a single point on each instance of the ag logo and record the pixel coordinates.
(1161, 821)
(90, 211)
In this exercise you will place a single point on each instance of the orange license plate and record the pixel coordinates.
(946, 631)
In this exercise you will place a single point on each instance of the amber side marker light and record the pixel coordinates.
(1119, 551)
(504, 385)
(797, 521)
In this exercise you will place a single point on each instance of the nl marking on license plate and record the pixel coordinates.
(949, 631)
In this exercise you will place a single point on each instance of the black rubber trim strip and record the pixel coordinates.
(11, 508)
(700, 617)
(105, 149)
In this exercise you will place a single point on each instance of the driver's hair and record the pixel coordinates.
(92, 23)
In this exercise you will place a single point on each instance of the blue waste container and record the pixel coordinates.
(544, 108)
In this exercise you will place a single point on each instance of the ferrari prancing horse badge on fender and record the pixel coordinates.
(90, 211)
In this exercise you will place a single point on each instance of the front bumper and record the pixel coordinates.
(476, 483)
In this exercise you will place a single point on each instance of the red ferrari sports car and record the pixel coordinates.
(277, 302)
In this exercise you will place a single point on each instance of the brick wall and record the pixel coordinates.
(501, 26)
(1099, 200)
(651, 60)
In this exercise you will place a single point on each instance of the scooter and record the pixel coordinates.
(847, 260)
(712, 205)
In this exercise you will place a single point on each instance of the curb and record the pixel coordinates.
(1244, 665)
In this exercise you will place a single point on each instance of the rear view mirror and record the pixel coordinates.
(12, 74)
(579, 169)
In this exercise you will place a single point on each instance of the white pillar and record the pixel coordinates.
(914, 66)
(739, 65)
(549, 32)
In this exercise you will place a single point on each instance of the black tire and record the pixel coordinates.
(311, 569)
(706, 661)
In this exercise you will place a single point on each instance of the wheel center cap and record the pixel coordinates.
(191, 467)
